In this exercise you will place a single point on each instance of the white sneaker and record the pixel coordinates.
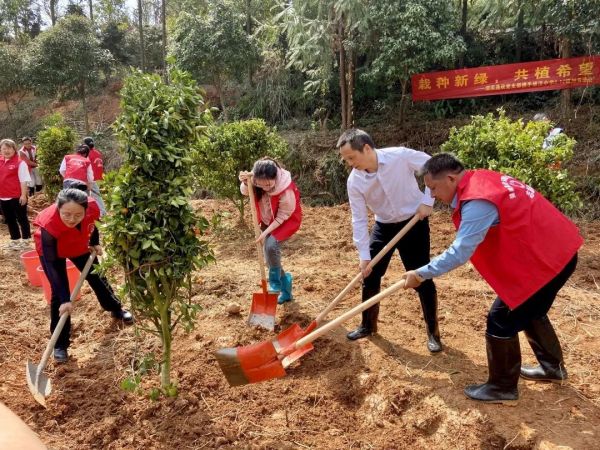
(12, 245)
(26, 243)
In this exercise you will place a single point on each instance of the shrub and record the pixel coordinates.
(152, 230)
(230, 148)
(515, 148)
(54, 141)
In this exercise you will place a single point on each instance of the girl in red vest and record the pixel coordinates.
(14, 179)
(95, 158)
(67, 230)
(280, 215)
(76, 170)
(28, 154)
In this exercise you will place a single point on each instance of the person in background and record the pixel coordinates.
(67, 229)
(279, 214)
(526, 250)
(383, 181)
(76, 170)
(14, 181)
(28, 153)
(95, 158)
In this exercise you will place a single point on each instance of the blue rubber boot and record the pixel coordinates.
(275, 279)
(286, 289)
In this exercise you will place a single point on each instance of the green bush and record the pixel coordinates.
(54, 141)
(515, 148)
(230, 148)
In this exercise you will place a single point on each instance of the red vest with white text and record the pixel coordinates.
(77, 166)
(71, 242)
(95, 158)
(532, 243)
(292, 224)
(10, 187)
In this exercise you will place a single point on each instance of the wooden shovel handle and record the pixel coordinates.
(257, 231)
(344, 317)
(64, 317)
(390, 245)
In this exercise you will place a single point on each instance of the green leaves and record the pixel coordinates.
(515, 148)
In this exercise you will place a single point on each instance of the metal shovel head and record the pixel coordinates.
(42, 388)
(262, 310)
(290, 335)
(250, 363)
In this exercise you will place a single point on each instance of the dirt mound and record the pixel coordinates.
(384, 392)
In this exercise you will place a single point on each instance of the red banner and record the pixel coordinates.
(545, 75)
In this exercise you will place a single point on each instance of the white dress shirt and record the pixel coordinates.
(392, 192)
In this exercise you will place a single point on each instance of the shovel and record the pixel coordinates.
(264, 304)
(39, 384)
(295, 332)
(239, 365)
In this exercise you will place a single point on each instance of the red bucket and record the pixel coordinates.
(72, 274)
(31, 260)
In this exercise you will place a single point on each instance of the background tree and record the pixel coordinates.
(68, 58)
(412, 36)
(214, 48)
(12, 82)
(152, 229)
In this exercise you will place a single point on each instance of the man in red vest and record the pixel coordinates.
(524, 248)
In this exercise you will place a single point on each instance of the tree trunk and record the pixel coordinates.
(519, 34)
(53, 11)
(219, 88)
(164, 37)
(91, 11)
(463, 30)
(342, 70)
(165, 368)
(141, 28)
(350, 89)
(85, 111)
(249, 33)
(565, 95)
(402, 101)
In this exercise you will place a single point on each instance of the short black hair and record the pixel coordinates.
(356, 138)
(25, 138)
(72, 195)
(89, 142)
(441, 164)
(83, 150)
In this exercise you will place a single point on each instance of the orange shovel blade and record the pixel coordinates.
(263, 310)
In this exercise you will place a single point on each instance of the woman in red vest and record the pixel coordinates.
(14, 179)
(280, 215)
(95, 158)
(28, 154)
(524, 248)
(67, 230)
(76, 170)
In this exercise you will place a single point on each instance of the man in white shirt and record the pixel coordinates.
(383, 181)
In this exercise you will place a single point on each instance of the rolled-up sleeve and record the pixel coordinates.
(360, 223)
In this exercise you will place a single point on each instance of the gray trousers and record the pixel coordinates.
(96, 196)
(272, 251)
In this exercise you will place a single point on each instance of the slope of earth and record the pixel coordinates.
(383, 392)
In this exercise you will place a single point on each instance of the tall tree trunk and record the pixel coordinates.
(249, 33)
(53, 4)
(463, 30)
(351, 58)
(403, 83)
(164, 36)
(141, 28)
(342, 70)
(565, 95)
(91, 11)
(219, 88)
(519, 34)
(85, 110)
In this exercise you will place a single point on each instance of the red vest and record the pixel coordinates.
(292, 224)
(71, 242)
(31, 154)
(95, 158)
(532, 243)
(77, 166)
(10, 187)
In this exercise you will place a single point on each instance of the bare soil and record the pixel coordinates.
(383, 392)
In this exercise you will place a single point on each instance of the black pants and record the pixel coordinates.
(104, 293)
(414, 253)
(15, 215)
(502, 322)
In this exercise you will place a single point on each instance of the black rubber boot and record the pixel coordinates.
(546, 347)
(368, 325)
(429, 306)
(504, 364)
